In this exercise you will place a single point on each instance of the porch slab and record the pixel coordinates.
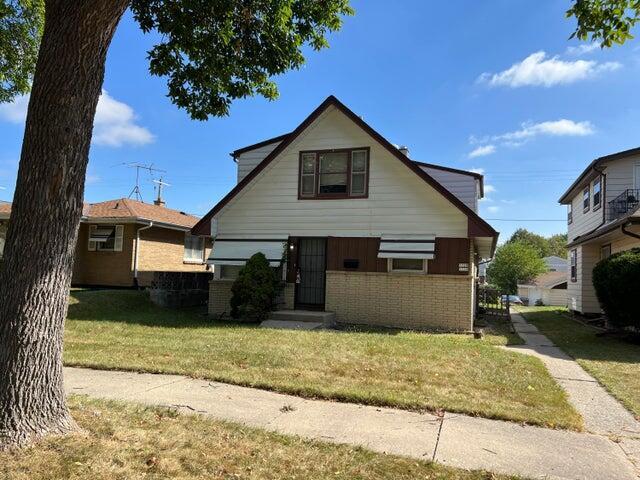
(291, 325)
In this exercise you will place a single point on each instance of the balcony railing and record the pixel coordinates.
(623, 204)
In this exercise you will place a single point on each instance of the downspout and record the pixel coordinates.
(136, 253)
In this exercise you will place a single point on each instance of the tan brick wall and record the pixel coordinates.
(104, 268)
(219, 297)
(162, 250)
(289, 296)
(438, 302)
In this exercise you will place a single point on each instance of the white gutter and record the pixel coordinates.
(135, 253)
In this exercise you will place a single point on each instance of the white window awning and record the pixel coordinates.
(236, 251)
(101, 234)
(407, 246)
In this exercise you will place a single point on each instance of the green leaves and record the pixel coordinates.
(21, 23)
(514, 262)
(215, 51)
(607, 21)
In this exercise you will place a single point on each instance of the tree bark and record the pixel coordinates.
(41, 238)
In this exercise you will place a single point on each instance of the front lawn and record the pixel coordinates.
(123, 330)
(123, 441)
(612, 361)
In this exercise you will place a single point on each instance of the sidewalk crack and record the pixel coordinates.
(435, 449)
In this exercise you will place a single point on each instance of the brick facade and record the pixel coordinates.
(430, 302)
(219, 297)
(104, 268)
(161, 249)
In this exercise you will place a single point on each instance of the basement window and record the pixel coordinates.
(407, 265)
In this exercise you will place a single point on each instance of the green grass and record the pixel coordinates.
(125, 441)
(417, 371)
(614, 362)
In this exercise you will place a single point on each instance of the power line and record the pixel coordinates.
(526, 219)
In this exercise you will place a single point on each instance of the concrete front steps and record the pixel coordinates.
(299, 320)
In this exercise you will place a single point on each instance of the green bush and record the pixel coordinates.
(255, 291)
(617, 282)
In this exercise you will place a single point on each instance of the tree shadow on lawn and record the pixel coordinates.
(581, 341)
(135, 307)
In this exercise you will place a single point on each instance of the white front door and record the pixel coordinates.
(636, 176)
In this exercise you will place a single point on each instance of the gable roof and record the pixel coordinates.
(477, 176)
(268, 141)
(5, 209)
(126, 208)
(592, 166)
(477, 226)
(548, 280)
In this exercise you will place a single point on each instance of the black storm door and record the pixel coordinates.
(312, 265)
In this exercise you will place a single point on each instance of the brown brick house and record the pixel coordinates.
(122, 242)
(356, 226)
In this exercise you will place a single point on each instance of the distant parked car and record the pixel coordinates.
(513, 299)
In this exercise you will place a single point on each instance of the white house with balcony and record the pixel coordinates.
(603, 218)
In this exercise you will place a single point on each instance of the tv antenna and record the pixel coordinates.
(140, 166)
(159, 201)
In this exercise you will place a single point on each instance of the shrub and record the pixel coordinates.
(617, 282)
(255, 291)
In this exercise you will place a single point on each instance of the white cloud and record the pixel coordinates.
(114, 124)
(91, 179)
(493, 209)
(539, 70)
(482, 151)
(582, 49)
(529, 131)
(489, 189)
(555, 128)
(16, 111)
(479, 171)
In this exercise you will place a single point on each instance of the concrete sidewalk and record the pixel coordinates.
(454, 439)
(602, 413)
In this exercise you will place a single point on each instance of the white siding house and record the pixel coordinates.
(403, 218)
(602, 219)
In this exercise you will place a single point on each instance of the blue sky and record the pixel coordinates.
(468, 87)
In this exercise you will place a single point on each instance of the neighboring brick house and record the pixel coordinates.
(123, 242)
(603, 217)
(364, 231)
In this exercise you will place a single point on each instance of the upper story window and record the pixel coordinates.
(586, 193)
(340, 173)
(597, 193)
(570, 213)
(193, 248)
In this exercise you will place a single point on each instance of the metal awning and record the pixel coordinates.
(236, 251)
(407, 246)
(102, 234)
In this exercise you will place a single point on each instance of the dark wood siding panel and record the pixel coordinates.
(362, 249)
(450, 252)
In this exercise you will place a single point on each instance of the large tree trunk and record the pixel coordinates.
(43, 229)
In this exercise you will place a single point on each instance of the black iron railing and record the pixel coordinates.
(624, 203)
